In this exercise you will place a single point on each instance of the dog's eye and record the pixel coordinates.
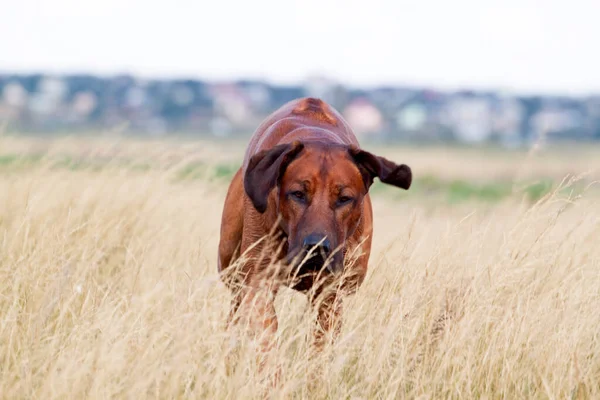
(344, 200)
(298, 195)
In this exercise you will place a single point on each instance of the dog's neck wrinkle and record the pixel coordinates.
(312, 134)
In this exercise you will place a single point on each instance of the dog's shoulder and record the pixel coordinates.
(316, 110)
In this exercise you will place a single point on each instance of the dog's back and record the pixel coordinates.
(306, 118)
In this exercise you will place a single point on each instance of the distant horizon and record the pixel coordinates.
(521, 47)
(415, 85)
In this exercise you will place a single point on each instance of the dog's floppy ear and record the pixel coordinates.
(265, 170)
(372, 166)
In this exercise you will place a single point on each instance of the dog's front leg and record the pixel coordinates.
(257, 311)
(329, 318)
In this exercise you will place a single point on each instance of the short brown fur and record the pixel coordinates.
(315, 109)
(303, 174)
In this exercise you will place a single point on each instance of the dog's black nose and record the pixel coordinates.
(323, 245)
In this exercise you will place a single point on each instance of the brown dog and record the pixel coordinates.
(304, 185)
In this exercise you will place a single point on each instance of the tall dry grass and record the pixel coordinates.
(108, 289)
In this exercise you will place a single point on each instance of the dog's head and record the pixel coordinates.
(320, 191)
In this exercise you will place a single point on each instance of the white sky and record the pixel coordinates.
(517, 45)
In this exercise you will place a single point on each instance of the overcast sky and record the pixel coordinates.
(516, 45)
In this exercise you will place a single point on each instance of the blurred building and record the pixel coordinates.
(364, 117)
(78, 103)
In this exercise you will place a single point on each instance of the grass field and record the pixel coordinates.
(484, 278)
